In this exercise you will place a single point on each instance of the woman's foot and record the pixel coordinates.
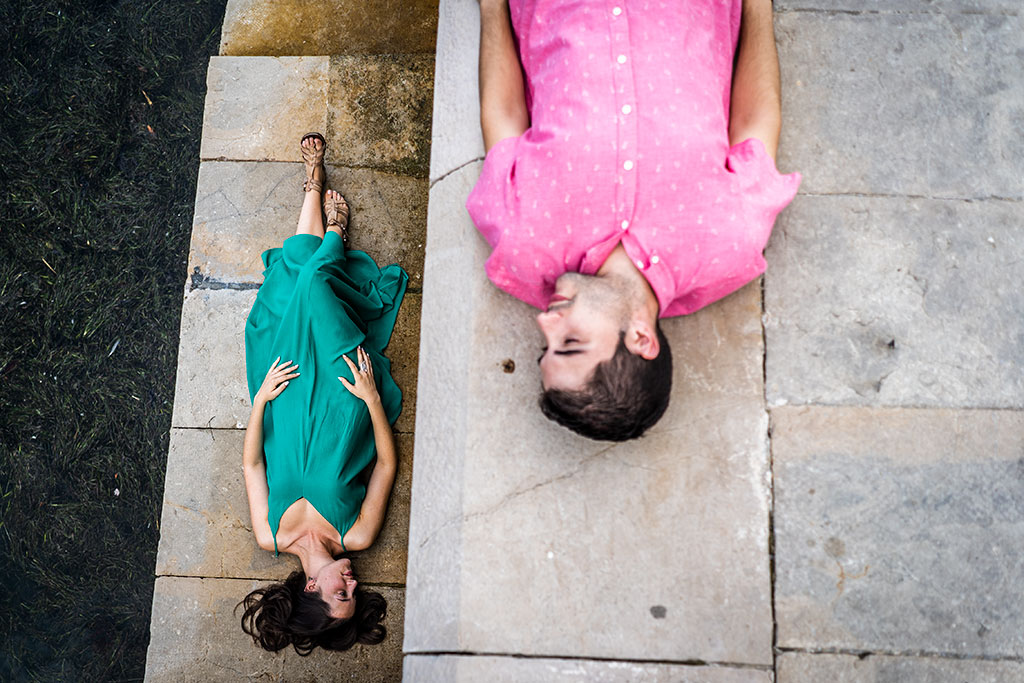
(336, 212)
(313, 145)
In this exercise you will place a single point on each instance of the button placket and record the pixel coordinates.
(624, 89)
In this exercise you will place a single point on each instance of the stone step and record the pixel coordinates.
(328, 27)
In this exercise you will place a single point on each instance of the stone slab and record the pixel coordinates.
(205, 529)
(814, 668)
(680, 515)
(379, 109)
(195, 636)
(457, 139)
(899, 530)
(887, 301)
(314, 27)
(211, 390)
(459, 669)
(244, 208)
(257, 108)
(902, 6)
(903, 103)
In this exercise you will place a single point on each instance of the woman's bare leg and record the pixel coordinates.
(311, 221)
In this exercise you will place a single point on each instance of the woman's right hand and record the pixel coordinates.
(365, 387)
(276, 380)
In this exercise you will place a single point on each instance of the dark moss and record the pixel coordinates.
(100, 113)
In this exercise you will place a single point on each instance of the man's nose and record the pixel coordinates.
(546, 320)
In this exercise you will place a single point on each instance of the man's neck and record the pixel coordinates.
(618, 264)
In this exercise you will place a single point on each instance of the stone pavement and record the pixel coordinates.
(837, 490)
(362, 73)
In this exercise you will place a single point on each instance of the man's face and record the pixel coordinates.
(581, 327)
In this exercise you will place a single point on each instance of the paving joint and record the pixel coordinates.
(695, 663)
(927, 654)
(938, 198)
(455, 170)
(875, 12)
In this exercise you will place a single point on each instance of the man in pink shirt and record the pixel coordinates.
(630, 176)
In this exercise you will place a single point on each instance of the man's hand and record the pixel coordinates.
(276, 381)
(756, 103)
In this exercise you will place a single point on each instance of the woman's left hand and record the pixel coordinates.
(364, 387)
(276, 380)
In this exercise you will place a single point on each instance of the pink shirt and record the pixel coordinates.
(629, 113)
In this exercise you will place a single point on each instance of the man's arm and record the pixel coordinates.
(756, 102)
(502, 98)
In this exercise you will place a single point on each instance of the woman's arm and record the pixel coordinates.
(502, 96)
(756, 103)
(254, 465)
(368, 524)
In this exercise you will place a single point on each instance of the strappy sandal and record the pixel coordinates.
(314, 160)
(336, 212)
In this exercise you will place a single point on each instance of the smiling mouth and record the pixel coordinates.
(558, 301)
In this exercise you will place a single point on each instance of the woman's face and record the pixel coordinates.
(337, 587)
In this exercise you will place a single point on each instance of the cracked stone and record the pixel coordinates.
(899, 530)
(814, 668)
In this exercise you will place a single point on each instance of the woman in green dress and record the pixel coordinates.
(319, 455)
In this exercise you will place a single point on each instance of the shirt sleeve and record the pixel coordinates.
(764, 192)
(492, 203)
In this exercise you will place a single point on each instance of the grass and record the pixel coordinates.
(100, 119)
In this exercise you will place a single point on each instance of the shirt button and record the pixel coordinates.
(616, 11)
(639, 264)
(626, 109)
(621, 59)
(655, 259)
(625, 225)
(628, 165)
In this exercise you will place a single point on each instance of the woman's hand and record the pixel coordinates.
(364, 387)
(276, 380)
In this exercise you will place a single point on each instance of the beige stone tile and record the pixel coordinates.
(470, 669)
(682, 512)
(899, 530)
(257, 108)
(403, 350)
(196, 636)
(379, 110)
(205, 529)
(244, 208)
(312, 27)
(814, 668)
(211, 388)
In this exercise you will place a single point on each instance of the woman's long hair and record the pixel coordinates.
(284, 614)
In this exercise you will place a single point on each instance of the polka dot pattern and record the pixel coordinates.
(628, 143)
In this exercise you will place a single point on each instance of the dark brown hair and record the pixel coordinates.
(284, 614)
(623, 398)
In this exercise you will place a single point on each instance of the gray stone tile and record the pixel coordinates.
(211, 389)
(899, 530)
(308, 27)
(244, 208)
(885, 301)
(195, 636)
(379, 110)
(682, 512)
(257, 108)
(902, 6)
(205, 530)
(806, 668)
(456, 132)
(920, 104)
(459, 669)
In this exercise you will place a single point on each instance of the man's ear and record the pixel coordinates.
(310, 586)
(642, 340)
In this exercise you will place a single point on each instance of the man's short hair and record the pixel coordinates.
(623, 398)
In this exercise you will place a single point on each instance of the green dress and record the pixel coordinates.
(318, 302)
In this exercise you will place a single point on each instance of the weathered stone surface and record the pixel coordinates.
(314, 27)
(456, 134)
(257, 108)
(804, 668)
(195, 636)
(457, 669)
(920, 103)
(899, 530)
(379, 111)
(889, 301)
(205, 528)
(244, 208)
(902, 6)
(403, 351)
(682, 512)
(211, 389)
(435, 543)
